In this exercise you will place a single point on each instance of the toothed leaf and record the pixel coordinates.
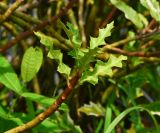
(103, 33)
(75, 37)
(102, 69)
(45, 40)
(55, 54)
(64, 69)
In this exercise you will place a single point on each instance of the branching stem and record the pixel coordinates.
(42, 116)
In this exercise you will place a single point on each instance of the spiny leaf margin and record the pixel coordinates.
(102, 69)
(54, 54)
(103, 33)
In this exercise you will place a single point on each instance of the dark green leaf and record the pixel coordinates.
(45, 101)
(8, 77)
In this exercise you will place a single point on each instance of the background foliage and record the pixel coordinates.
(113, 47)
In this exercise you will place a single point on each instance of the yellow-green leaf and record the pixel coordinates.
(92, 109)
(31, 63)
(103, 33)
(102, 69)
(153, 7)
(129, 12)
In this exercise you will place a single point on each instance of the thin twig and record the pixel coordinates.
(128, 53)
(150, 25)
(41, 26)
(108, 18)
(121, 74)
(124, 41)
(10, 28)
(20, 22)
(128, 39)
(71, 16)
(10, 10)
(23, 19)
(36, 85)
(21, 15)
(148, 44)
(29, 6)
(81, 23)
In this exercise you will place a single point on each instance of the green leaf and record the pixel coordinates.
(87, 58)
(2, 111)
(131, 34)
(102, 69)
(55, 54)
(155, 36)
(75, 37)
(50, 42)
(45, 101)
(78, 53)
(153, 7)
(129, 12)
(122, 115)
(8, 77)
(66, 30)
(72, 33)
(31, 63)
(155, 106)
(92, 109)
(64, 69)
(108, 118)
(10, 121)
(64, 123)
(45, 40)
(103, 33)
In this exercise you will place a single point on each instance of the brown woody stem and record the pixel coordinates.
(42, 116)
